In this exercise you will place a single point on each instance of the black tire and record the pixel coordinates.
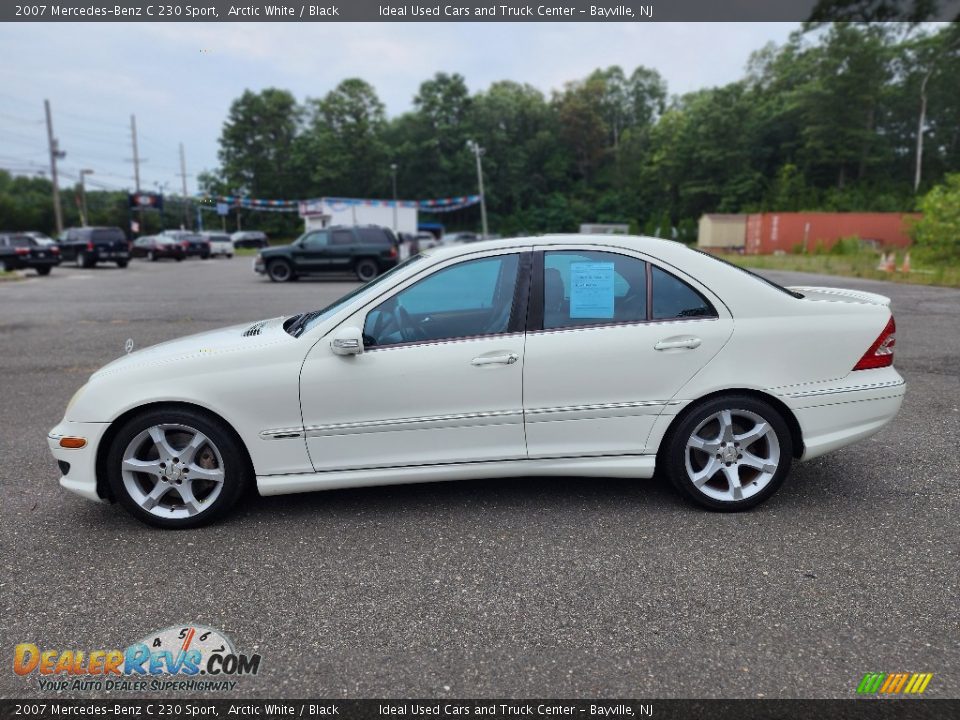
(43, 270)
(5, 266)
(229, 256)
(179, 258)
(122, 263)
(151, 256)
(204, 257)
(280, 271)
(237, 473)
(85, 261)
(366, 269)
(674, 454)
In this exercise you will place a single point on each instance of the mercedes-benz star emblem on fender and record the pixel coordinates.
(128, 345)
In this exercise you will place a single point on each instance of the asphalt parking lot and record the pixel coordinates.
(514, 588)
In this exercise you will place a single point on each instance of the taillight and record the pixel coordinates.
(55, 250)
(393, 252)
(90, 246)
(22, 251)
(880, 354)
(185, 244)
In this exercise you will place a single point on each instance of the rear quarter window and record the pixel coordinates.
(374, 236)
(673, 298)
(109, 235)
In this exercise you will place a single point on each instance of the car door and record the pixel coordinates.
(440, 376)
(311, 253)
(612, 340)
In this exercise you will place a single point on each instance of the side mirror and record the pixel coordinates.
(347, 341)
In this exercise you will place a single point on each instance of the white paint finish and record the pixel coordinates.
(413, 404)
(417, 412)
(81, 478)
(641, 466)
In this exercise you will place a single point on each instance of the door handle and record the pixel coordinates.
(684, 343)
(508, 359)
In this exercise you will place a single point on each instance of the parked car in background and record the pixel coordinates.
(87, 246)
(460, 237)
(249, 239)
(220, 243)
(40, 237)
(158, 247)
(582, 355)
(365, 251)
(193, 244)
(427, 240)
(19, 251)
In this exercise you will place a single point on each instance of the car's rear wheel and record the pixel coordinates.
(729, 453)
(366, 270)
(176, 468)
(279, 271)
(43, 271)
(151, 256)
(122, 263)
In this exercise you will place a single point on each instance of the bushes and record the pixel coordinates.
(937, 234)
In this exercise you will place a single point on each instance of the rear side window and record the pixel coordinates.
(592, 288)
(373, 236)
(21, 241)
(341, 237)
(673, 298)
(107, 235)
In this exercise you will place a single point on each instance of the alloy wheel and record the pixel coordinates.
(172, 471)
(732, 455)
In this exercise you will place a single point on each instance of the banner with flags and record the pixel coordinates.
(318, 206)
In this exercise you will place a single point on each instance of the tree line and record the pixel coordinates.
(844, 116)
(847, 116)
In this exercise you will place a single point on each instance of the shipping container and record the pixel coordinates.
(767, 233)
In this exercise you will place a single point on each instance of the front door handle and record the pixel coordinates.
(508, 359)
(681, 343)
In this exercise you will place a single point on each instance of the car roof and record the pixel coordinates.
(657, 247)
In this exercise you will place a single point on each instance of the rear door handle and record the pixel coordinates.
(508, 359)
(682, 343)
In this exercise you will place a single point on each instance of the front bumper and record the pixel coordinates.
(81, 477)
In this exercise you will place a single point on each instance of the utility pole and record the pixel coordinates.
(55, 154)
(393, 172)
(83, 196)
(478, 151)
(136, 166)
(183, 177)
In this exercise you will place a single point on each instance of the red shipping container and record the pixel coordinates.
(771, 232)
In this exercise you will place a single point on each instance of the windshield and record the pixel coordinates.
(310, 320)
(752, 274)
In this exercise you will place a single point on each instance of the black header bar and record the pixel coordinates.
(472, 11)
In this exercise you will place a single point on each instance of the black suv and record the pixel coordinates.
(364, 251)
(19, 251)
(86, 246)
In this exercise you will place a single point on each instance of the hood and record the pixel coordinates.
(213, 342)
(830, 294)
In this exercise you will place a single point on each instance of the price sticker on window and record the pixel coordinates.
(591, 290)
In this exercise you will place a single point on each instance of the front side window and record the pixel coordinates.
(583, 287)
(315, 240)
(470, 299)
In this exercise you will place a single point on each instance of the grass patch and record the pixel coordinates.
(860, 265)
(6, 275)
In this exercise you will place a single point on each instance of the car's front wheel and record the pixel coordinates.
(729, 453)
(176, 468)
(43, 270)
(279, 271)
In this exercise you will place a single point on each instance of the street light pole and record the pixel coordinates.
(84, 218)
(478, 151)
(393, 172)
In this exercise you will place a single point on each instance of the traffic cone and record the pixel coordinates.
(905, 268)
(891, 263)
(882, 265)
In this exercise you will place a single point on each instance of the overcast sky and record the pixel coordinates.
(179, 79)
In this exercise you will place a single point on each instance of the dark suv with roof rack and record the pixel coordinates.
(87, 246)
(364, 251)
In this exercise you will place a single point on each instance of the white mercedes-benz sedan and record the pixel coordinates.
(563, 355)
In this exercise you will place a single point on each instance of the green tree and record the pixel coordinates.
(937, 233)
